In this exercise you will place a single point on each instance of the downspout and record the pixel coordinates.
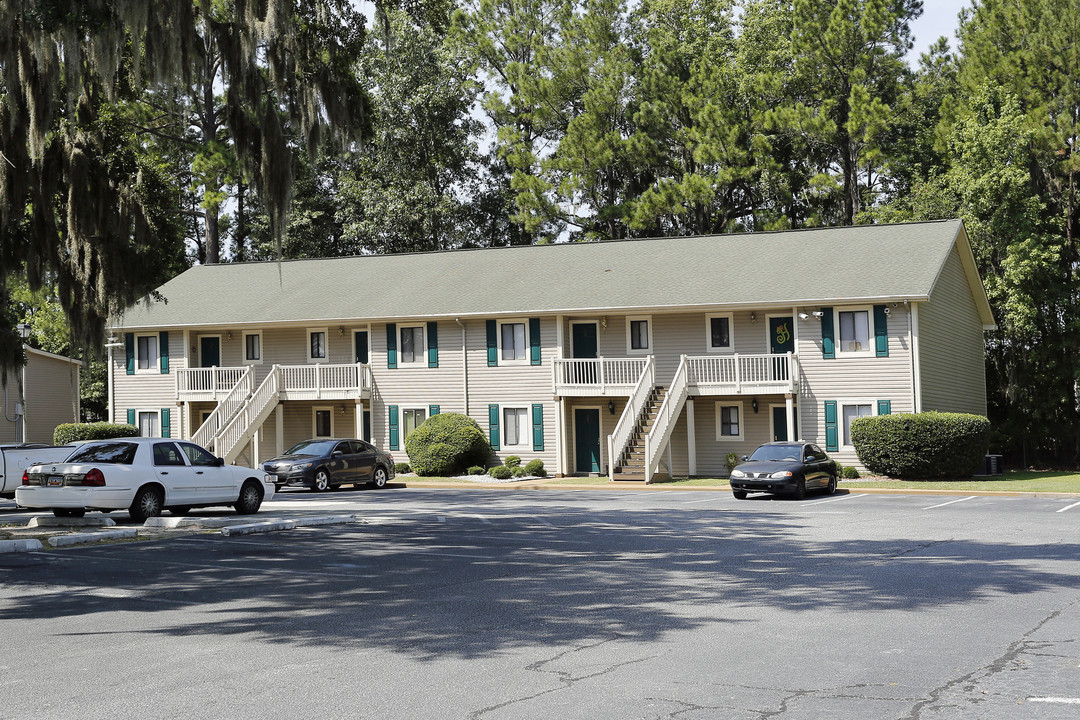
(913, 343)
(464, 366)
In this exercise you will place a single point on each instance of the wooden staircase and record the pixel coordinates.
(631, 465)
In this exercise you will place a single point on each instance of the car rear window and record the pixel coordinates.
(119, 453)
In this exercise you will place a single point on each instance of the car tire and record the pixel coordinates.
(147, 504)
(830, 489)
(739, 494)
(250, 499)
(181, 510)
(800, 489)
(379, 479)
(321, 483)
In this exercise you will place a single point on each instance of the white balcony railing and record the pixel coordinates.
(223, 413)
(213, 383)
(742, 374)
(598, 376)
(324, 382)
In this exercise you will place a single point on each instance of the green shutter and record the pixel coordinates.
(828, 339)
(166, 422)
(493, 426)
(391, 346)
(131, 417)
(538, 427)
(433, 410)
(492, 343)
(433, 344)
(832, 436)
(163, 352)
(534, 340)
(129, 348)
(881, 331)
(394, 428)
(884, 407)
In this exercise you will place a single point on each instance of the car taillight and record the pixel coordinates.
(25, 478)
(94, 478)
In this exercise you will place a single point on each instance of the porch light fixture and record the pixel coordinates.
(342, 409)
(228, 335)
(753, 404)
(341, 330)
(753, 317)
(603, 323)
(611, 406)
(24, 331)
(803, 316)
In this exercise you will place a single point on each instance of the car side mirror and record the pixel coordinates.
(337, 453)
(219, 462)
(745, 458)
(809, 458)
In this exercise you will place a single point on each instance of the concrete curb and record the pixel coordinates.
(59, 522)
(193, 522)
(12, 546)
(121, 534)
(273, 525)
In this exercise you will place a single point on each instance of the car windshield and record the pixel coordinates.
(777, 453)
(119, 453)
(312, 447)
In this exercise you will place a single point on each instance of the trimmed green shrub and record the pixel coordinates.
(924, 445)
(535, 467)
(849, 473)
(731, 460)
(500, 472)
(518, 471)
(447, 444)
(69, 432)
(402, 468)
(512, 461)
(477, 470)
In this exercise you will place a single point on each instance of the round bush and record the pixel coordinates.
(924, 445)
(500, 472)
(402, 468)
(512, 461)
(517, 471)
(477, 470)
(535, 467)
(447, 444)
(69, 432)
(849, 473)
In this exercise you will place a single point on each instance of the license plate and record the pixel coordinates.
(55, 480)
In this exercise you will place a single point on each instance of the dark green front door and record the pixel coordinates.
(779, 423)
(587, 440)
(362, 347)
(209, 352)
(781, 342)
(583, 336)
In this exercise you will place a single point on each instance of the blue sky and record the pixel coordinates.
(939, 18)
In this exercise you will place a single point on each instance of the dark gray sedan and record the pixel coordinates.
(323, 464)
(784, 468)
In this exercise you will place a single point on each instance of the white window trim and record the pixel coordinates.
(871, 349)
(516, 321)
(315, 423)
(307, 347)
(156, 414)
(419, 354)
(528, 425)
(731, 333)
(742, 422)
(426, 409)
(155, 365)
(873, 403)
(629, 340)
(262, 348)
(800, 430)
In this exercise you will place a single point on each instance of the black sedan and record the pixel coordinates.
(784, 467)
(323, 464)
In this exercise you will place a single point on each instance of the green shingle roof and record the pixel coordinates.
(780, 269)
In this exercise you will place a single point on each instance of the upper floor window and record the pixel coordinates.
(412, 344)
(253, 348)
(639, 335)
(512, 341)
(718, 333)
(147, 352)
(854, 331)
(316, 345)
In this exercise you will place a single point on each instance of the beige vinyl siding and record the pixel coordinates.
(865, 377)
(952, 345)
(147, 390)
(52, 396)
(10, 394)
(712, 453)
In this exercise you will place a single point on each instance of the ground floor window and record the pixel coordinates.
(412, 419)
(323, 422)
(849, 413)
(148, 424)
(515, 427)
(728, 422)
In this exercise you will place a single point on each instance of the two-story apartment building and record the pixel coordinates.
(630, 359)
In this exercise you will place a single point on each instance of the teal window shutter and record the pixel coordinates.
(538, 427)
(391, 346)
(881, 331)
(492, 343)
(163, 352)
(129, 348)
(433, 410)
(832, 434)
(394, 444)
(433, 344)
(828, 338)
(493, 426)
(166, 422)
(884, 407)
(534, 341)
(131, 416)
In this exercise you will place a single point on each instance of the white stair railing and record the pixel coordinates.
(635, 404)
(665, 419)
(229, 441)
(224, 411)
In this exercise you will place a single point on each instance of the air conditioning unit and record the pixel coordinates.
(991, 466)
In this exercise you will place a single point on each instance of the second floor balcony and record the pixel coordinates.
(298, 382)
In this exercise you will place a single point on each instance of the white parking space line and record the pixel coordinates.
(694, 502)
(850, 496)
(1069, 507)
(1055, 700)
(482, 519)
(970, 497)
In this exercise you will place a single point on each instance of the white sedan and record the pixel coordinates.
(143, 476)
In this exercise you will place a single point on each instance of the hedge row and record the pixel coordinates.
(923, 445)
(70, 432)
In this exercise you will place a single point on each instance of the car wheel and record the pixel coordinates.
(182, 510)
(322, 481)
(147, 504)
(831, 487)
(250, 499)
(379, 479)
(739, 494)
(800, 489)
